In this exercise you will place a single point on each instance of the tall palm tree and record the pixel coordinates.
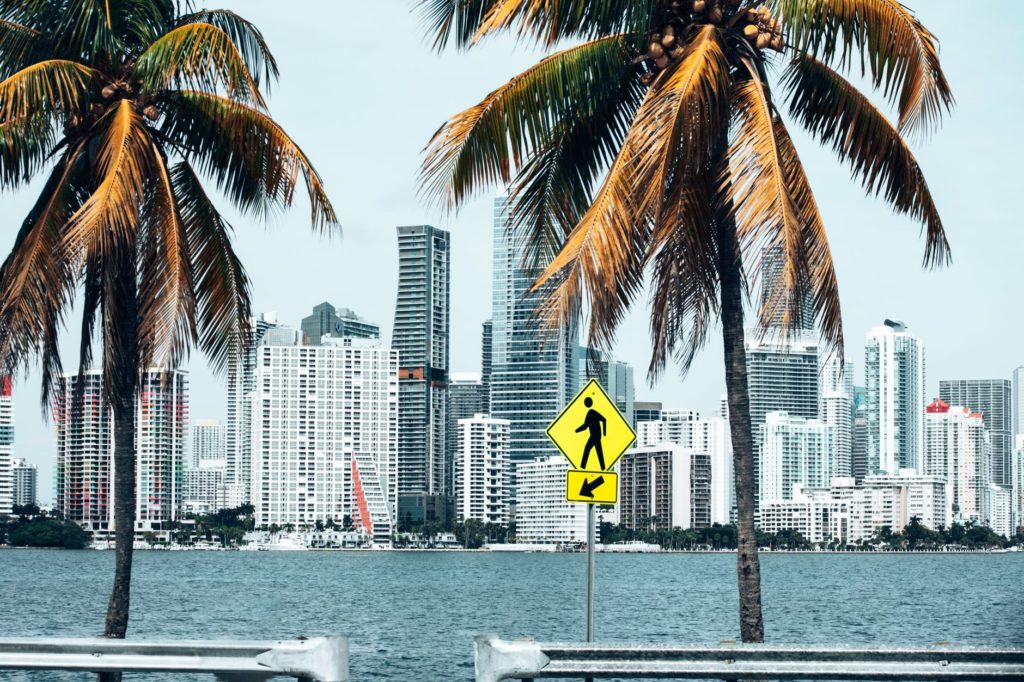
(650, 147)
(124, 105)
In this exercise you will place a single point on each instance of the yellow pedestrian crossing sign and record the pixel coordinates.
(592, 434)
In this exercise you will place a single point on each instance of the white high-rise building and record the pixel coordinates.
(835, 408)
(542, 513)
(894, 370)
(957, 449)
(6, 446)
(991, 398)
(664, 486)
(25, 482)
(237, 432)
(208, 441)
(921, 495)
(85, 451)
(204, 486)
(482, 470)
(325, 435)
(710, 435)
(794, 451)
(1017, 489)
(999, 515)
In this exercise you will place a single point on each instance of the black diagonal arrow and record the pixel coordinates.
(588, 487)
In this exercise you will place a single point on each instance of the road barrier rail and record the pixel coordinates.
(498, 659)
(316, 659)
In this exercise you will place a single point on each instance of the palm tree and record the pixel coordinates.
(124, 105)
(649, 148)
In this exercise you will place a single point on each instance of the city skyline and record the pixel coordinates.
(867, 240)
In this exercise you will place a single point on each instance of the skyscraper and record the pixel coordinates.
(238, 429)
(336, 322)
(615, 377)
(1018, 401)
(207, 468)
(6, 446)
(794, 451)
(773, 292)
(1017, 489)
(835, 408)
(991, 398)
(482, 470)
(957, 449)
(486, 362)
(467, 397)
(208, 441)
(534, 371)
(894, 370)
(421, 339)
(325, 429)
(25, 482)
(859, 445)
(85, 451)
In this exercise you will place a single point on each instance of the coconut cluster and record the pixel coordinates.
(664, 47)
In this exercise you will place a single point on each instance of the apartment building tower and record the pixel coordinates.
(482, 470)
(894, 370)
(992, 399)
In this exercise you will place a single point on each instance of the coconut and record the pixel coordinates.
(646, 78)
(752, 14)
(750, 32)
(699, 5)
(108, 91)
(661, 62)
(778, 43)
(655, 50)
(763, 41)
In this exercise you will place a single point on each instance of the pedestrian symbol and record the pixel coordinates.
(592, 434)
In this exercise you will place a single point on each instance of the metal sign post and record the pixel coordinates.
(590, 572)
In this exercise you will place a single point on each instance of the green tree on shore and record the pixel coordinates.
(124, 108)
(649, 149)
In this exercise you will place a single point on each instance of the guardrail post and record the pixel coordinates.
(498, 660)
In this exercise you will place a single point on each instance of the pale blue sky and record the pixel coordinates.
(362, 93)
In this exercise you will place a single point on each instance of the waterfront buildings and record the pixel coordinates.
(421, 340)
(325, 435)
(957, 449)
(85, 451)
(238, 428)
(991, 398)
(894, 370)
(1017, 489)
(859, 445)
(208, 441)
(327, 320)
(794, 451)
(482, 470)
(920, 496)
(534, 371)
(665, 486)
(542, 513)
(709, 435)
(24, 478)
(206, 474)
(999, 516)
(616, 378)
(467, 396)
(835, 408)
(486, 359)
(6, 445)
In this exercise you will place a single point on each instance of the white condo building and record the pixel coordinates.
(794, 451)
(25, 479)
(1017, 489)
(482, 470)
(665, 486)
(923, 496)
(835, 408)
(6, 446)
(85, 451)
(325, 434)
(894, 371)
(710, 435)
(206, 477)
(542, 513)
(999, 515)
(957, 449)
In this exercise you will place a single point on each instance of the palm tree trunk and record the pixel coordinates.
(748, 566)
(124, 516)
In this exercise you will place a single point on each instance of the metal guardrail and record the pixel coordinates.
(318, 659)
(498, 659)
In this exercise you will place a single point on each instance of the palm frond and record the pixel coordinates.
(247, 153)
(900, 54)
(837, 114)
(821, 276)
(754, 183)
(198, 56)
(36, 282)
(80, 30)
(54, 85)
(604, 257)
(167, 305)
(110, 217)
(456, 20)
(16, 43)
(246, 36)
(25, 147)
(222, 287)
(486, 144)
(551, 21)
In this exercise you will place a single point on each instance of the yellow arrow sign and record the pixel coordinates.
(591, 432)
(595, 487)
